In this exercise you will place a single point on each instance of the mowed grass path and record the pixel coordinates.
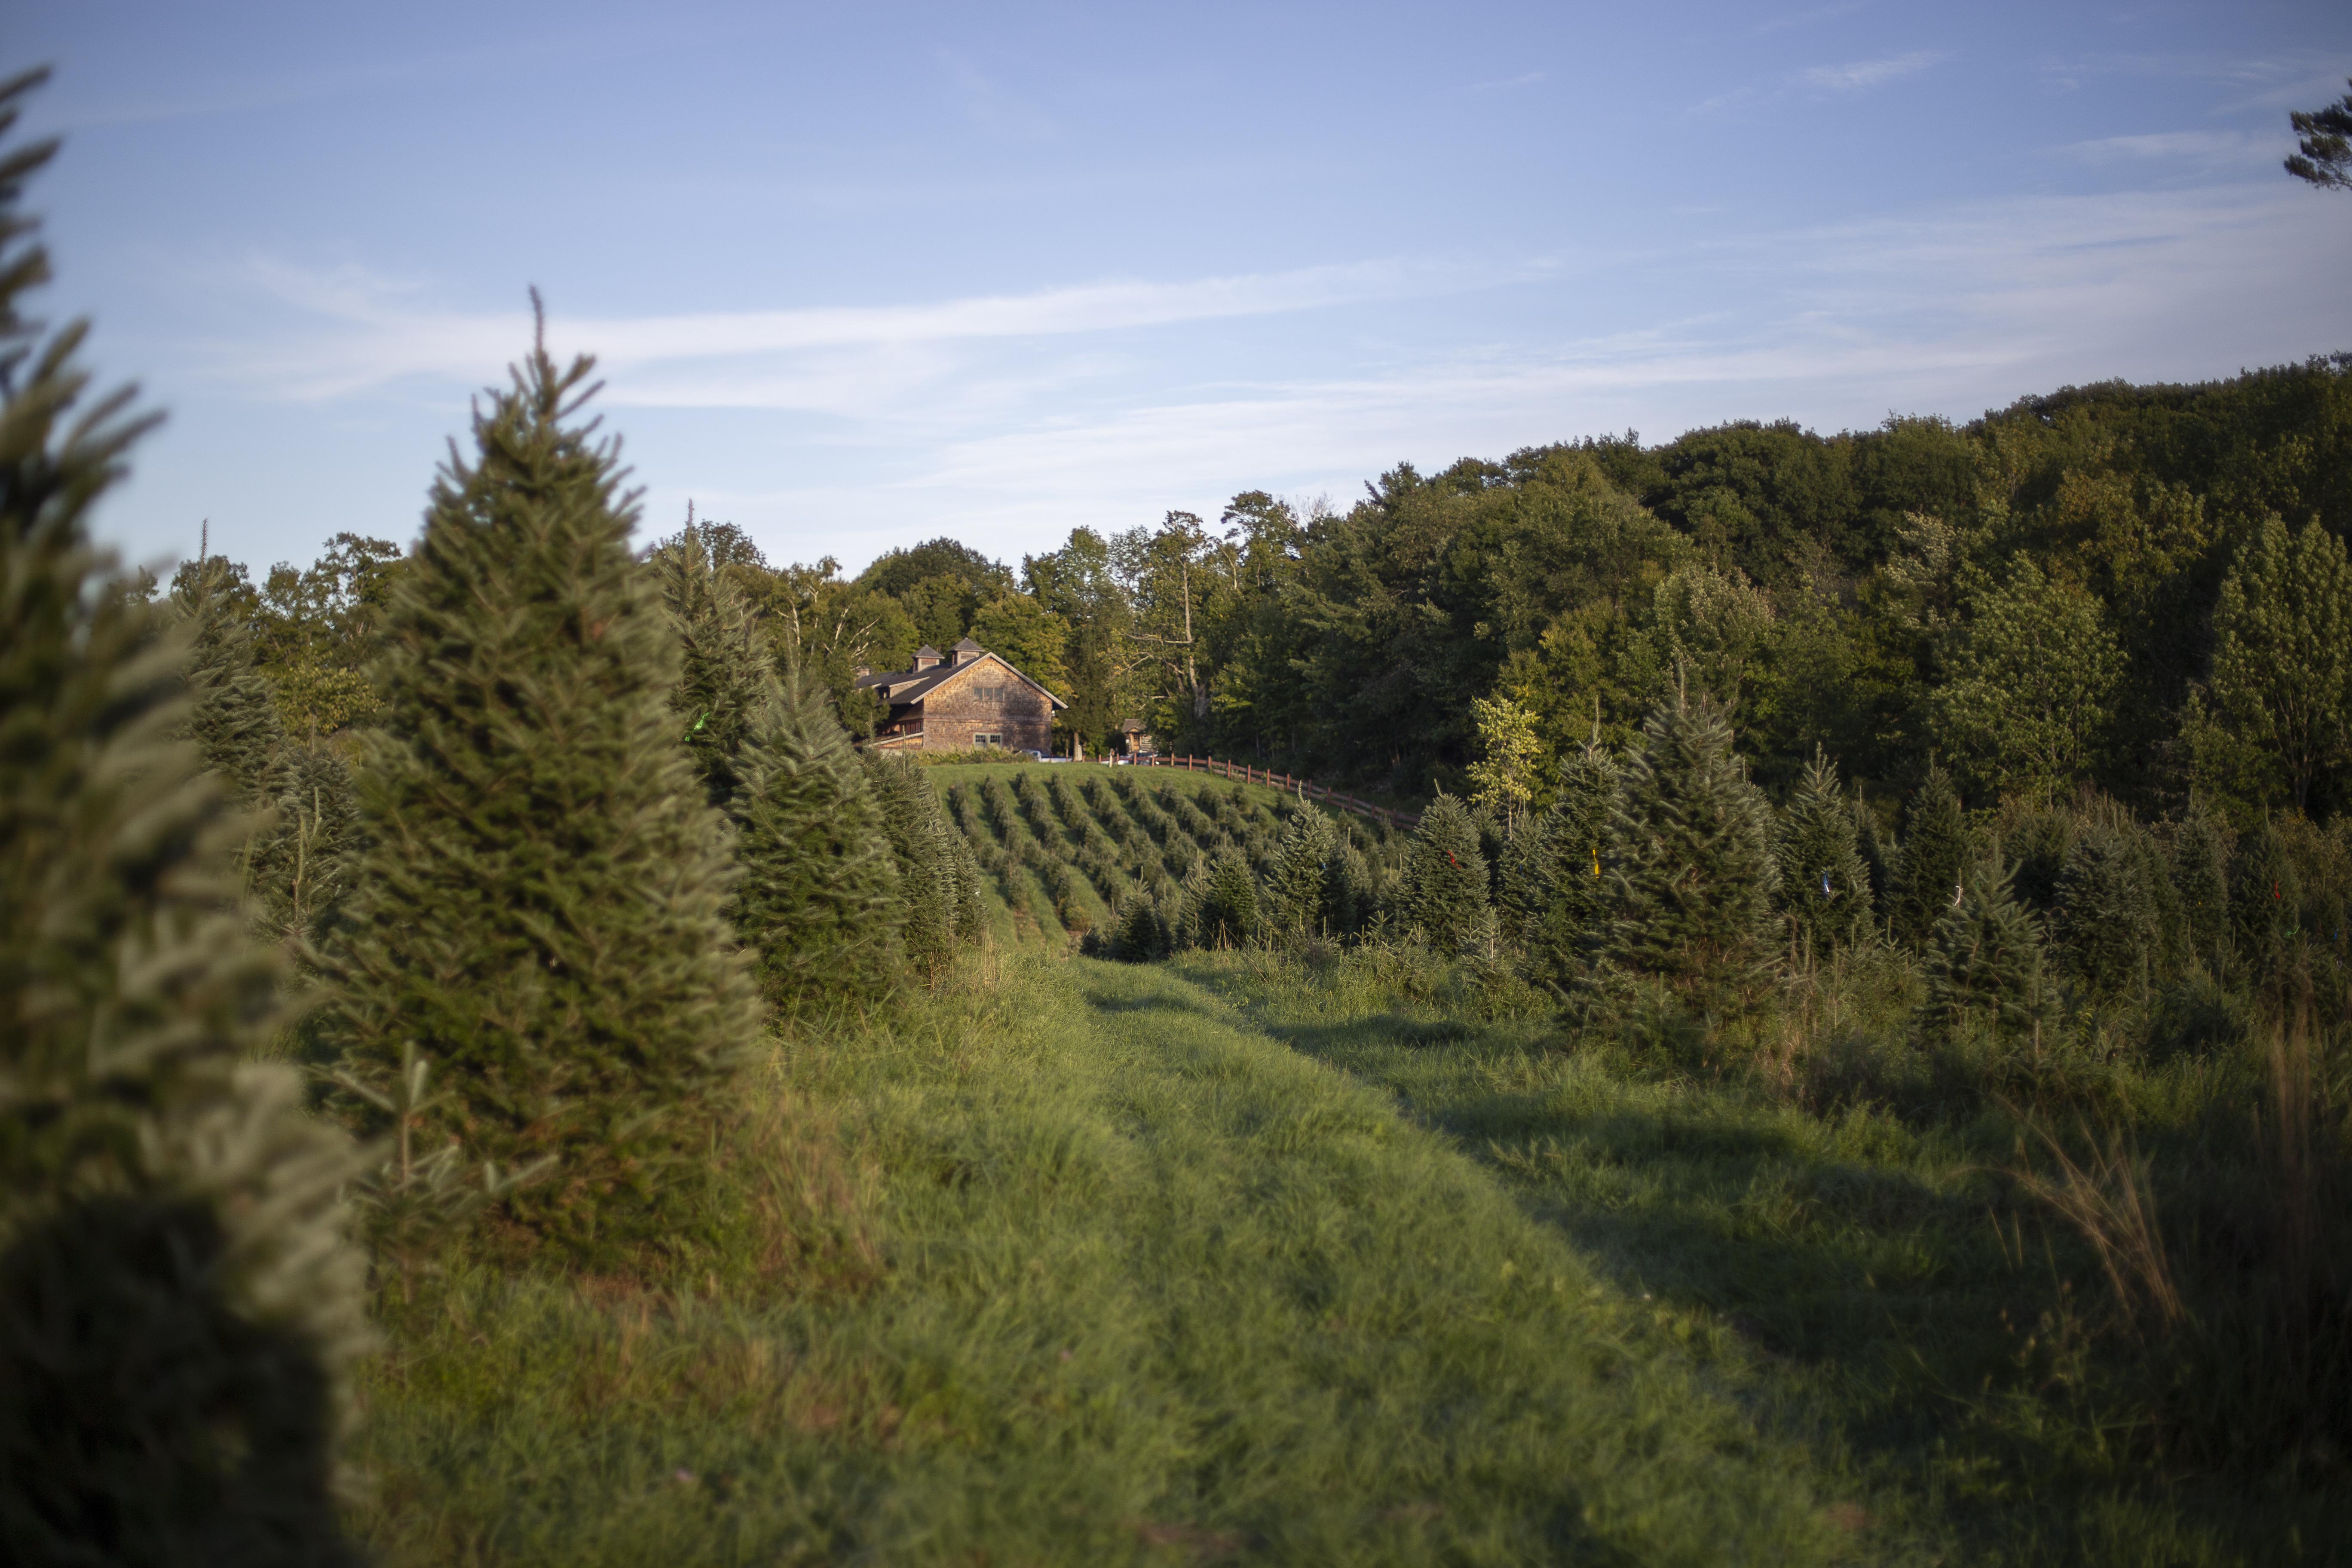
(1150, 1287)
(1881, 1288)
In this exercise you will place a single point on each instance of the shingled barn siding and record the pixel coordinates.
(987, 702)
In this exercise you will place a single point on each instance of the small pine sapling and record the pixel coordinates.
(1881, 853)
(1295, 887)
(1939, 847)
(1445, 888)
(1563, 941)
(1523, 880)
(1351, 895)
(1225, 913)
(231, 719)
(1690, 869)
(1984, 964)
(939, 906)
(1825, 884)
(819, 900)
(2106, 917)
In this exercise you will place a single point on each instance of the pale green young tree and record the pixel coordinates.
(1712, 626)
(2033, 679)
(1506, 779)
(2283, 649)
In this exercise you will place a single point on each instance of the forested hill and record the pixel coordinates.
(2138, 588)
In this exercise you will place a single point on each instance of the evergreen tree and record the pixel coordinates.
(1567, 937)
(2201, 876)
(1881, 853)
(1350, 892)
(2038, 840)
(1825, 886)
(1984, 964)
(1140, 931)
(2170, 946)
(1937, 849)
(1524, 879)
(2265, 902)
(300, 868)
(939, 881)
(1295, 885)
(231, 719)
(1446, 877)
(727, 685)
(2106, 917)
(540, 908)
(303, 816)
(1226, 913)
(1690, 870)
(2322, 154)
(819, 901)
(177, 1302)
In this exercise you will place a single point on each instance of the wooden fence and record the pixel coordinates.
(1305, 788)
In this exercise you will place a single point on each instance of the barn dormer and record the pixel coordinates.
(964, 653)
(926, 657)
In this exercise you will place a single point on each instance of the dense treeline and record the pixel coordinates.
(2138, 588)
(2142, 590)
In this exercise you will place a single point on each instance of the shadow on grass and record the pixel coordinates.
(1868, 1280)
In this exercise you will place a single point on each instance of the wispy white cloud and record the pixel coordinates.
(2199, 147)
(1830, 13)
(1009, 419)
(1947, 311)
(1855, 75)
(358, 329)
(2253, 82)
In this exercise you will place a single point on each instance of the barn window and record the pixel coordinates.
(988, 740)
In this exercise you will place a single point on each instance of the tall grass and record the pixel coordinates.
(2100, 1320)
(1077, 1267)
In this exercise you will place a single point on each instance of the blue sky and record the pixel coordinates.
(859, 276)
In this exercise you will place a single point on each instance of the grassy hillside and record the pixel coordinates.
(1879, 1284)
(1063, 842)
(1097, 1271)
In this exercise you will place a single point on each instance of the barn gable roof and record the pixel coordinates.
(904, 687)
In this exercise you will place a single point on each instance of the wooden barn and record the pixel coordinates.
(966, 696)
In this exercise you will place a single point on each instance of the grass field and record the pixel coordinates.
(1253, 1257)
(1880, 1288)
(1113, 1275)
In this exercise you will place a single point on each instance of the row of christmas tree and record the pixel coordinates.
(1667, 865)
